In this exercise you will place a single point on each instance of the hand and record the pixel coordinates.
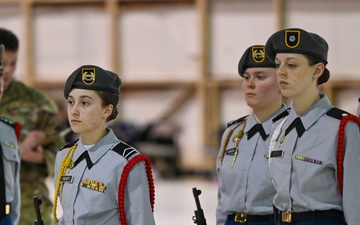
(31, 149)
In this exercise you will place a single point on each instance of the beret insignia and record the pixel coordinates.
(88, 75)
(258, 53)
(292, 38)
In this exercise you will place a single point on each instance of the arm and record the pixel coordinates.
(351, 177)
(137, 201)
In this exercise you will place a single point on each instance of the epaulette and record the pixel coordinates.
(68, 145)
(7, 121)
(125, 150)
(236, 121)
(281, 115)
(337, 113)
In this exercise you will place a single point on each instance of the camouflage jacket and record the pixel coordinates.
(34, 111)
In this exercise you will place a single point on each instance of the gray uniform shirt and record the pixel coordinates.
(304, 169)
(99, 205)
(11, 161)
(245, 186)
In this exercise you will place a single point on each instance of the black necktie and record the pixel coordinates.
(84, 155)
(257, 128)
(298, 125)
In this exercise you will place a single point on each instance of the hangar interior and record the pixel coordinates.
(177, 59)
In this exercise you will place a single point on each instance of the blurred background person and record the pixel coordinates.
(37, 115)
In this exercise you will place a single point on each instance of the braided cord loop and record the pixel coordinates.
(238, 137)
(65, 163)
(341, 139)
(123, 180)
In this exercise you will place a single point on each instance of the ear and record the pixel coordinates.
(108, 110)
(319, 69)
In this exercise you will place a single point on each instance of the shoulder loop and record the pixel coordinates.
(236, 121)
(68, 145)
(281, 115)
(125, 150)
(337, 113)
(6, 121)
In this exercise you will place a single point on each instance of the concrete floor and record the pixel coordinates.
(175, 203)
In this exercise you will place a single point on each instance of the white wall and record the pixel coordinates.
(163, 43)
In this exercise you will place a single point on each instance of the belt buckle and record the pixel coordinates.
(7, 209)
(240, 217)
(286, 217)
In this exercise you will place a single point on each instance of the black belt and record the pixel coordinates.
(243, 218)
(289, 217)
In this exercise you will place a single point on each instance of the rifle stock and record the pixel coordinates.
(199, 217)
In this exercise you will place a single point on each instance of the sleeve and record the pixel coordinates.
(137, 198)
(220, 217)
(15, 214)
(351, 177)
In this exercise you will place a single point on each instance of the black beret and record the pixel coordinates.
(92, 77)
(254, 57)
(296, 40)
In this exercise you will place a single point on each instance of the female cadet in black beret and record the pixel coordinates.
(99, 178)
(314, 162)
(245, 192)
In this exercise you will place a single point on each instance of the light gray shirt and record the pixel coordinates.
(83, 205)
(305, 173)
(11, 161)
(244, 186)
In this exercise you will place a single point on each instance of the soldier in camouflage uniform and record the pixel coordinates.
(38, 116)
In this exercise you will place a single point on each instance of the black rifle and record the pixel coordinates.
(199, 217)
(37, 203)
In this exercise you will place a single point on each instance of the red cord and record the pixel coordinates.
(341, 138)
(17, 130)
(123, 180)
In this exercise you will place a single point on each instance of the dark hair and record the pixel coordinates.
(9, 40)
(109, 98)
(324, 77)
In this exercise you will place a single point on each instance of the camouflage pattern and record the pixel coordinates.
(34, 111)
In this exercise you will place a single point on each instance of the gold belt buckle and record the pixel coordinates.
(240, 217)
(286, 217)
(7, 209)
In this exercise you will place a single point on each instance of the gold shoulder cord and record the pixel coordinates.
(65, 163)
(236, 139)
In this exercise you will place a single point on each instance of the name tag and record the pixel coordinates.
(67, 179)
(230, 151)
(277, 153)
